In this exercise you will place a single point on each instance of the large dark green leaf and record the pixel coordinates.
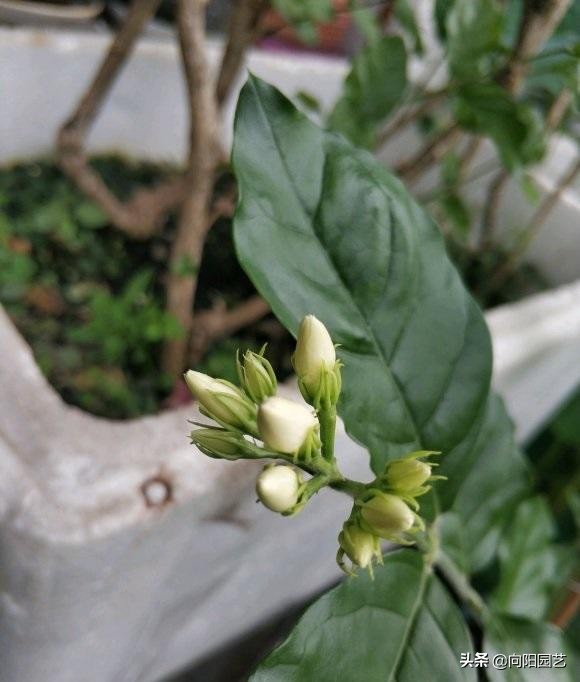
(373, 87)
(321, 228)
(403, 626)
(506, 636)
(531, 565)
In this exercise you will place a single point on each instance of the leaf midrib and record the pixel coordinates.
(417, 604)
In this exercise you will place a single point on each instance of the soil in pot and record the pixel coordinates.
(90, 301)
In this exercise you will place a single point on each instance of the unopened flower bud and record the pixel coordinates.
(406, 475)
(359, 545)
(315, 363)
(219, 443)
(386, 515)
(256, 376)
(277, 487)
(286, 426)
(222, 402)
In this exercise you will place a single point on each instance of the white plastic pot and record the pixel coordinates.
(124, 554)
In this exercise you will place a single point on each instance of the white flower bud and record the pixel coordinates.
(277, 487)
(386, 515)
(222, 401)
(315, 363)
(314, 350)
(285, 426)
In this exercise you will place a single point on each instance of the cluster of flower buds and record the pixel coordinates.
(255, 423)
(387, 509)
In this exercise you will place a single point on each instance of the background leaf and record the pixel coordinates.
(532, 566)
(514, 127)
(406, 626)
(323, 229)
(372, 89)
(473, 30)
(507, 635)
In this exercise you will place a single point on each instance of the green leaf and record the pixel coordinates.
(566, 425)
(372, 89)
(405, 15)
(454, 542)
(515, 128)
(304, 15)
(90, 215)
(555, 72)
(441, 11)
(457, 212)
(531, 565)
(366, 20)
(308, 101)
(402, 626)
(507, 635)
(321, 228)
(530, 188)
(474, 29)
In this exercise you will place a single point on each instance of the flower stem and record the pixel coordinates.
(327, 419)
(348, 486)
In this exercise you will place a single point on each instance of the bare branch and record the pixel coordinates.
(211, 325)
(242, 30)
(539, 21)
(435, 148)
(407, 116)
(143, 213)
(534, 226)
(569, 608)
(558, 110)
(491, 207)
(205, 154)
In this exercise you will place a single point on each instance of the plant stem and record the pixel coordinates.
(348, 486)
(432, 151)
(460, 584)
(204, 156)
(142, 214)
(537, 221)
(327, 419)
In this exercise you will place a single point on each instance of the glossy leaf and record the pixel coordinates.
(531, 565)
(372, 89)
(322, 228)
(402, 626)
(506, 636)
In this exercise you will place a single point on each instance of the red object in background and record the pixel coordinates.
(332, 36)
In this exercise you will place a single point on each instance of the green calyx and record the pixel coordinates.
(256, 375)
